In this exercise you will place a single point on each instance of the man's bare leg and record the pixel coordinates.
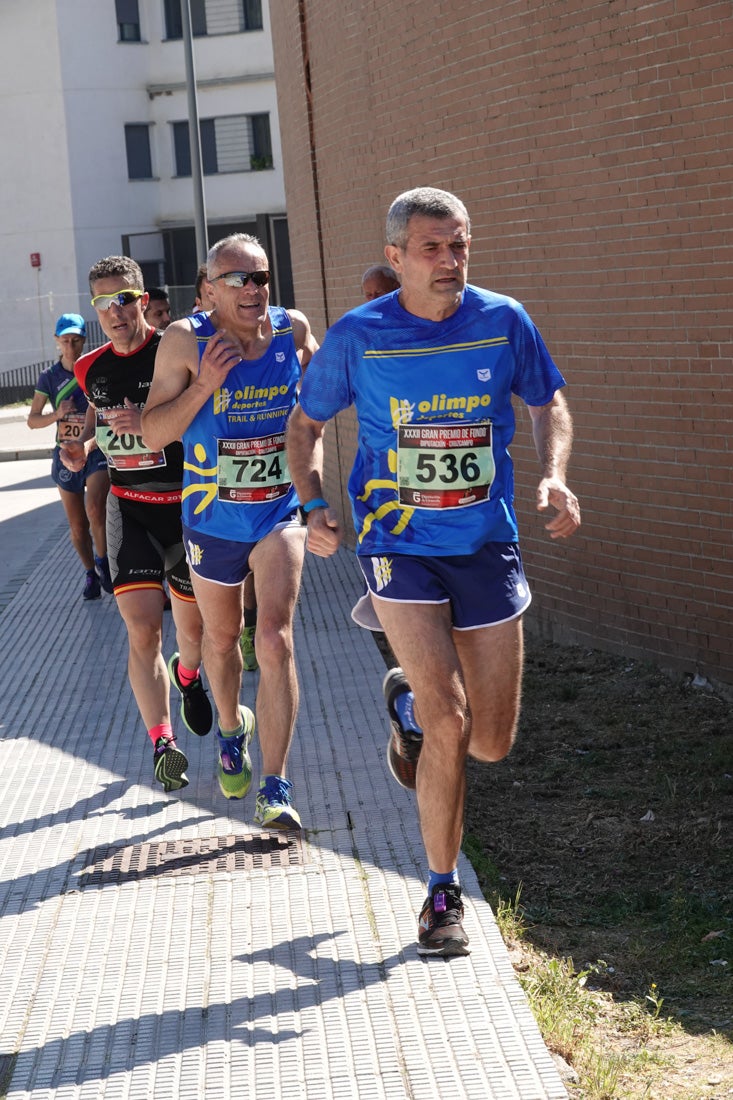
(220, 607)
(277, 562)
(422, 639)
(142, 612)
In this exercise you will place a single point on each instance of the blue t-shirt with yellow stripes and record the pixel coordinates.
(432, 474)
(236, 482)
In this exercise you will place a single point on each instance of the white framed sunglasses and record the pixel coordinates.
(120, 298)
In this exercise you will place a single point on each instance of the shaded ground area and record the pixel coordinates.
(613, 817)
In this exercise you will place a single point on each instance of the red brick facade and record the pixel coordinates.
(592, 143)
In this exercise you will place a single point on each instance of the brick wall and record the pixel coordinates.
(592, 145)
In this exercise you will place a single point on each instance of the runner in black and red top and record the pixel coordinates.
(144, 536)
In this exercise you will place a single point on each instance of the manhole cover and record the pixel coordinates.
(114, 864)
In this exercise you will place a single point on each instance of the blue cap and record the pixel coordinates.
(71, 324)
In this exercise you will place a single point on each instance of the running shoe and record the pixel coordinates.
(247, 646)
(274, 808)
(101, 566)
(404, 745)
(440, 931)
(196, 709)
(92, 588)
(235, 766)
(169, 764)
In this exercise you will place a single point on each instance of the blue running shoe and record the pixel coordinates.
(92, 589)
(274, 808)
(235, 766)
(404, 745)
(101, 566)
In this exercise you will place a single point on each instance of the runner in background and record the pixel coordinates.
(143, 516)
(158, 310)
(84, 493)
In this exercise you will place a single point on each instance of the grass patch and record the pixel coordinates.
(602, 844)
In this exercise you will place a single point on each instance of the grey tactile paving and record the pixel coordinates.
(295, 981)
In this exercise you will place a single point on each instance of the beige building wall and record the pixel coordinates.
(592, 144)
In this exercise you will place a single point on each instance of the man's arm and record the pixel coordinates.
(305, 460)
(305, 342)
(552, 430)
(181, 385)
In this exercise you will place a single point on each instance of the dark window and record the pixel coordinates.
(174, 19)
(283, 270)
(229, 17)
(137, 144)
(207, 130)
(251, 15)
(261, 141)
(182, 260)
(182, 147)
(232, 143)
(153, 271)
(128, 20)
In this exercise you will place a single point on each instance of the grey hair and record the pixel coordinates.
(113, 267)
(226, 243)
(427, 201)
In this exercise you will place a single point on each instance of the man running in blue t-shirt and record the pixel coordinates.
(431, 369)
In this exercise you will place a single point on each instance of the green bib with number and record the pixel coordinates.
(126, 451)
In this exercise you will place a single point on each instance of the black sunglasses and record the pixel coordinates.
(241, 278)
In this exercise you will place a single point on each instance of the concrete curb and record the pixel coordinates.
(17, 454)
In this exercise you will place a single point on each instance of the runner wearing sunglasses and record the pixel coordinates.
(226, 383)
(143, 515)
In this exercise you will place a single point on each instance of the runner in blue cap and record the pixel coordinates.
(83, 494)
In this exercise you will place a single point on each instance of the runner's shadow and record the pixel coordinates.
(22, 893)
(94, 806)
(119, 1048)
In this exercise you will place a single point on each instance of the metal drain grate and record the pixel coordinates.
(116, 864)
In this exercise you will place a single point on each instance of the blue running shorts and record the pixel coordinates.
(72, 482)
(483, 589)
(222, 560)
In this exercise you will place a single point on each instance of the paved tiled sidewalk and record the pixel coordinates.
(156, 945)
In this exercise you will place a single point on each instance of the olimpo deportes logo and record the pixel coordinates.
(403, 411)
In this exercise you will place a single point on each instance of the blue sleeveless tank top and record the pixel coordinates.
(236, 482)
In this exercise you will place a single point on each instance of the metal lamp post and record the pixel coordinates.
(194, 134)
